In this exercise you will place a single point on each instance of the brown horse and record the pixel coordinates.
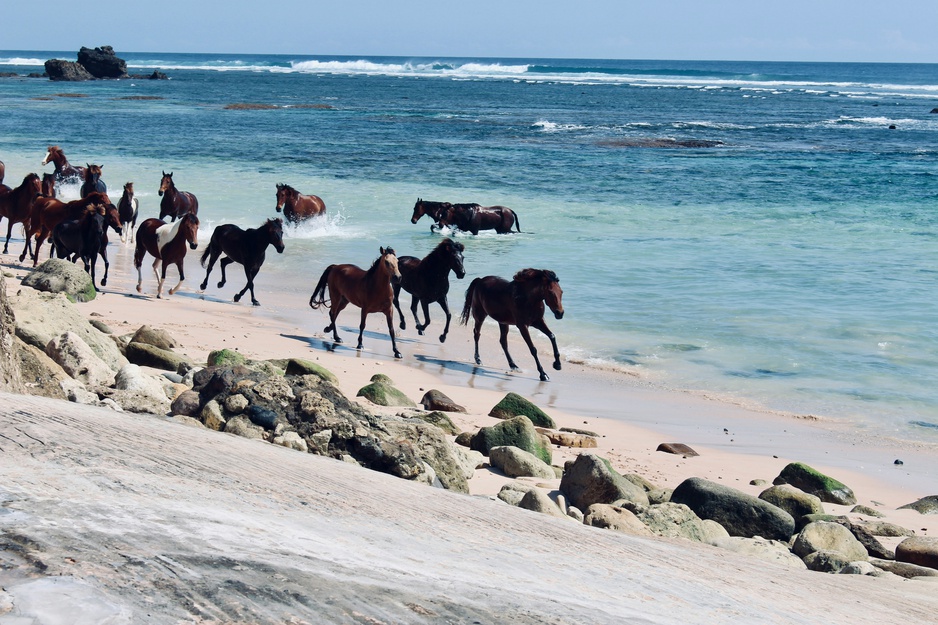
(92, 181)
(248, 247)
(64, 171)
(432, 209)
(175, 203)
(296, 206)
(3, 171)
(17, 204)
(519, 303)
(47, 212)
(473, 218)
(166, 242)
(48, 185)
(369, 290)
(427, 280)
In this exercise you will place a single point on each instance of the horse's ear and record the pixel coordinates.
(381, 250)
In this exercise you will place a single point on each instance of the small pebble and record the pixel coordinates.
(897, 461)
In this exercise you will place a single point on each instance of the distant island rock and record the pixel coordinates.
(93, 63)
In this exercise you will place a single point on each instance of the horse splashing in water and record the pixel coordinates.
(433, 210)
(519, 303)
(427, 280)
(175, 203)
(128, 208)
(64, 171)
(17, 206)
(473, 218)
(93, 182)
(369, 290)
(166, 242)
(296, 206)
(247, 247)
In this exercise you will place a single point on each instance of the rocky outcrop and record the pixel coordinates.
(57, 275)
(10, 373)
(513, 405)
(102, 62)
(66, 71)
(740, 513)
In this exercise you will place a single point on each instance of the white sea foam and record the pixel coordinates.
(547, 126)
(17, 60)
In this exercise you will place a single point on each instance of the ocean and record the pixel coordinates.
(766, 232)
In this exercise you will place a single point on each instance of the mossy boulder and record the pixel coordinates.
(517, 432)
(382, 391)
(298, 366)
(57, 275)
(513, 405)
(225, 358)
(816, 483)
(441, 420)
(151, 356)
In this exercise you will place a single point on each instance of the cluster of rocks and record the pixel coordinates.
(93, 64)
(297, 404)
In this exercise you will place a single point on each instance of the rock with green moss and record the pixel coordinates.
(298, 366)
(816, 483)
(381, 391)
(225, 358)
(151, 356)
(57, 275)
(439, 419)
(513, 405)
(517, 432)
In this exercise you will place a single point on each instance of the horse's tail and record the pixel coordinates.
(467, 307)
(318, 298)
(206, 253)
(517, 221)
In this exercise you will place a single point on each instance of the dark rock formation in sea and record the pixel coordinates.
(60, 70)
(102, 62)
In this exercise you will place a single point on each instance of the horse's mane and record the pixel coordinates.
(447, 244)
(374, 266)
(526, 275)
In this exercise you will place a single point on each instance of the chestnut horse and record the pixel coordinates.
(47, 212)
(247, 247)
(519, 303)
(48, 185)
(166, 242)
(427, 281)
(369, 290)
(17, 204)
(64, 171)
(175, 203)
(128, 208)
(93, 181)
(296, 206)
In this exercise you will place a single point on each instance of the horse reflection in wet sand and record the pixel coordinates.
(519, 303)
(369, 290)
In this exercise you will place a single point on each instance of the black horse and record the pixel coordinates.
(427, 281)
(473, 217)
(247, 247)
(82, 238)
(93, 182)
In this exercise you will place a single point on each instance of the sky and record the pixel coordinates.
(756, 30)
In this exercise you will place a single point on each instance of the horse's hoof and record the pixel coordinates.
(202, 286)
(103, 282)
(420, 331)
(544, 378)
(478, 361)
(403, 326)
(397, 355)
(442, 338)
(139, 290)
(221, 284)
(237, 298)
(255, 302)
(557, 366)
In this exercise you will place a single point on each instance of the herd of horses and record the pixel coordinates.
(78, 229)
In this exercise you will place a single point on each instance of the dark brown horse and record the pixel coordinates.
(17, 205)
(83, 238)
(296, 206)
(369, 290)
(47, 212)
(175, 203)
(431, 209)
(3, 171)
(427, 281)
(519, 303)
(48, 185)
(248, 247)
(92, 181)
(166, 242)
(64, 171)
(128, 208)
(473, 218)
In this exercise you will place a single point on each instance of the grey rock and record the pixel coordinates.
(79, 360)
(678, 521)
(429, 444)
(11, 379)
(904, 569)
(829, 537)
(57, 275)
(920, 550)
(859, 568)
(866, 511)
(824, 561)
(589, 479)
(513, 492)
(152, 356)
(291, 440)
(763, 549)
(514, 405)
(517, 432)
(383, 393)
(235, 404)
(437, 400)
(792, 500)
(40, 374)
(614, 518)
(812, 481)
(212, 417)
(154, 336)
(242, 426)
(569, 439)
(102, 62)
(70, 71)
(188, 404)
(468, 460)
(515, 462)
(925, 505)
(740, 513)
(538, 501)
(440, 420)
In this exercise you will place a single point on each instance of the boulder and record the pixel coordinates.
(468, 460)
(538, 501)
(904, 569)
(925, 505)
(589, 479)
(155, 337)
(225, 358)
(741, 514)
(920, 550)
(569, 439)
(292, 440)
(610, 517)
(57, 275)
(518, 432)
(513, 492)
(513, 405)
(763, 549)
(678, 521)
(79, 360)
(515, 462)
(381, 391)
(242, 426)
(40, 374)
(816, 483)
(437, 400)
(11, 379)
(792, 500)
(678, 449)
(866, 511)
(874, 548)
(187, 404)
(298, 366)
(431, 446)
(152, 356)
(102, 62)
(440, 420)
(829, 537)
(61, 70)
(825, 561)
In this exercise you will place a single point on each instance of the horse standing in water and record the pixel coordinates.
(175, 203)
(128, 208)
(473, 218)
(427, 281)
(519, 303)
(64, 171)
(432, 209)
(93, 182)
(247, 247)
(166, 242)
(17, 204)
(296, 206)
(369, 290)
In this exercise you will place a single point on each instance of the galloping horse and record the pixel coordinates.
(369, 290)
(64, 171)
(166, 242)
(16, 205)
(48, 185)
(472, 218)
(93, 181)
(128, 208)
(296, 206)
(175, 203)
(47, 212)
(519, 303)
(248, 247)
(84, 238)
(427, 281)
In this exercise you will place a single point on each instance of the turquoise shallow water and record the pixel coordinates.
(765, 231)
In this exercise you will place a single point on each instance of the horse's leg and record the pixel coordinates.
(224, 263)
(476, 331)
(540, 325)
(103, 252)
(413, 309)
(249, 273)
(397, 304)
(526, 335)
(338, 305)
(361, 327)
(390, 316)
(425, 305)
(40, 239)
(6, 245)
(182, 276)
(503, 341)
(159, 280)
(445, 306)
(213, 256)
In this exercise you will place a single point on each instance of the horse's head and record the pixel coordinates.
(190, 229)
(453, 251)
(389, 262)
(553, 294)
(92, 172)
(113, 218)
(96, 197)
(420, 209)
(129, 189)
(284, 193)
(32, 184)
(51, 153)
(48, 185)
(274, 229)
(541, 284)
(166, 183)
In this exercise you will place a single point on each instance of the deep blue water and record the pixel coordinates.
(766, 231)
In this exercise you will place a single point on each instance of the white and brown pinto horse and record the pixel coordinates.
(166, 242)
